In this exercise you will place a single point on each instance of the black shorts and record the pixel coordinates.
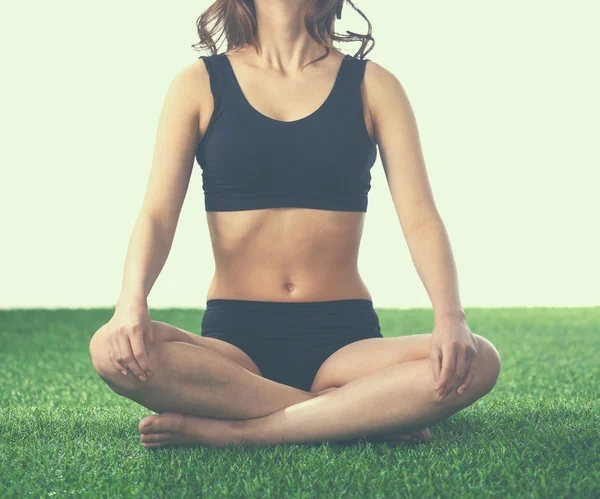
(289, 341)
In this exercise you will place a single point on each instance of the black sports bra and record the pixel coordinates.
(250, 161)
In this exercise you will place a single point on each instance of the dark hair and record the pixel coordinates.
(236, 19)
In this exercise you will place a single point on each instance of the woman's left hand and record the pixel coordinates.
(453, 350)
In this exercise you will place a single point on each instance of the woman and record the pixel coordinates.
(286, 129)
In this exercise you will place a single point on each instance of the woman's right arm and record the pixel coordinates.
(154, 229)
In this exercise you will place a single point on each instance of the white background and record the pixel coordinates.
(506, 97)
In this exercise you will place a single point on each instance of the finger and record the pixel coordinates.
(448, 369)
(117, 355)
(149, 336)
(139, 350)
(127, 357)
(466, 384)
(470, 377)
(459, 373)
(462, 370)
(113, 361)
(436, 363)
(463, 360)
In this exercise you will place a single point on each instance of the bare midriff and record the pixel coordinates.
(286, 254)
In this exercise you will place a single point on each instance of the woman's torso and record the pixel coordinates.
(287, 253)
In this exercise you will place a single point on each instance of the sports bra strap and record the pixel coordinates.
(349, 94)
(357, 70)
(218, 78)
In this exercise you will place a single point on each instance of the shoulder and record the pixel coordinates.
(190, 85)
(384, 90)
(199, 70)
(377, 73)
(380, 80)
(196, 76)
(188, 79)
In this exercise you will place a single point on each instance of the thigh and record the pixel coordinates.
(161, 331)
(230, 351)
(363, 357)
(224, 348)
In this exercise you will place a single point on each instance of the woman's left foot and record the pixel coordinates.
(176, 429)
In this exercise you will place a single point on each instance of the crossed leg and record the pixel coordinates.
(195, 375)
(218, 397)
(398, 398)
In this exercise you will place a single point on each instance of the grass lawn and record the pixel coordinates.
(63, 432)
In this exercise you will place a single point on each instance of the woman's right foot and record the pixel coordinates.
(415, 437)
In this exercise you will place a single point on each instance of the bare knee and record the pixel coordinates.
(99, 353)
(486, 371)
(488, 366)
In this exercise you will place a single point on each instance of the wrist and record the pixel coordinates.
(450, 316)
(132, 301)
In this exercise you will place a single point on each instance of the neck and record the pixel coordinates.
(282, 39)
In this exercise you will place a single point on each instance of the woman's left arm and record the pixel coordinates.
(397, 136)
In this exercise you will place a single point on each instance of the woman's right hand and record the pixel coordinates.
(129, 336)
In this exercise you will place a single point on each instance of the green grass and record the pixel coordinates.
(63, 432)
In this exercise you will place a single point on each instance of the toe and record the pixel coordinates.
(166, 422)
(424, 434)
(155, 437)
(421, 435)
(148, 424)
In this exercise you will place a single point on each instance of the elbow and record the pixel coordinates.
(419, 223)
